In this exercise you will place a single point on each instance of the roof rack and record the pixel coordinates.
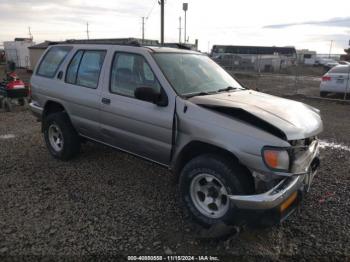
(117, 41)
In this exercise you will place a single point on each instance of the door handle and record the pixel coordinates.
(106, 101)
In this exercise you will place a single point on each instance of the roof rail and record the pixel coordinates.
(122, 41)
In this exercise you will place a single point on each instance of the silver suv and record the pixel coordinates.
(240, 155)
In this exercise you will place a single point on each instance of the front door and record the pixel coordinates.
(136, 126)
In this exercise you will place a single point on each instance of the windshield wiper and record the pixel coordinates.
(202, 93)
(229, 88)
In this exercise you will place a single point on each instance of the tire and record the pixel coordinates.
(323, 94)
(58, 125)
(7, 105)
(21, 101)
(234, 178)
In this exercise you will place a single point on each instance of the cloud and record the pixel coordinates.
(335, 22)
(65, 10)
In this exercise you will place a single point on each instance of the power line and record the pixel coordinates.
(145, 18)
(150, 12)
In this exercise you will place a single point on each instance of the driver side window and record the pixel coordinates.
(130, 71)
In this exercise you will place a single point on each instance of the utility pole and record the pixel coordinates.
(87, 30)
(161, 2)
(143, 29)
(30, 33)
(185, 7)
(330, 49)
(180, 29)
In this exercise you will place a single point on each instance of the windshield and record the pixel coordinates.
(192, 74)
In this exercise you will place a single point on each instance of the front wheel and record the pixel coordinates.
(60, 136)
(205, 184)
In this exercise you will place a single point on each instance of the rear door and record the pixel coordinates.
(136, 126)
(80, 88)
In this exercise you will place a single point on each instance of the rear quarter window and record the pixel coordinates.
(52, 60)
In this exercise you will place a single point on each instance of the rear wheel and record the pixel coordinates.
(205, 185)
(60, 136)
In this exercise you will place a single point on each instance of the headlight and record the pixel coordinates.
(276, 158)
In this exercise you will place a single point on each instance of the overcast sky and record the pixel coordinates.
(308, 24)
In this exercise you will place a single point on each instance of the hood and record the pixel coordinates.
(295, 120)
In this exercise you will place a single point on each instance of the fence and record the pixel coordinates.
(277, 74)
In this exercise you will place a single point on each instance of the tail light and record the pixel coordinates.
(326, 78)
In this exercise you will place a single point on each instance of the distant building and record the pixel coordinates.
(258, 58)
(306, 57)
(17, 51)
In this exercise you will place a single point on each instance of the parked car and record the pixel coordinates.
(240, 156)
(336, 80)
(327, 63)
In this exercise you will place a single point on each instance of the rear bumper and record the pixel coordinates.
(36, 110)
(334, 89)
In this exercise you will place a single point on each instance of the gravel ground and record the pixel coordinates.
(109, 203)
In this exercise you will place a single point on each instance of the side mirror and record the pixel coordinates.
(150, 95)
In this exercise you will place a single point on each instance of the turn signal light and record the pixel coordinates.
(277, 159)
(288, 202)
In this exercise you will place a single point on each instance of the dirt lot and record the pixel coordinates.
(108, 203)
(282, 84)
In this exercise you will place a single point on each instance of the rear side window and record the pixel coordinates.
(85, 68)
(340, 70)
(52, 61)
(71, 76)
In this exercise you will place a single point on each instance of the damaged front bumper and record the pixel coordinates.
(279, 202)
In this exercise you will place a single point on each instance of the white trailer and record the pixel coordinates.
(17, 51)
